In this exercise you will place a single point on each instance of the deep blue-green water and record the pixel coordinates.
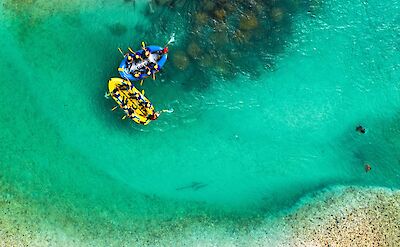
(249, 142)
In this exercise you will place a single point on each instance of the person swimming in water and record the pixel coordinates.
(367, 167)
(360, 129)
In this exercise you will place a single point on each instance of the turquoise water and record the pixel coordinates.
(253, 143)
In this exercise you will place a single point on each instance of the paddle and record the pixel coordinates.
(120, 50)
(168, 111)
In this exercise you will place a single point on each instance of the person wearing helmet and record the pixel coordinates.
(154, 116)
(129, 58)
(124, 102)
(130, 111)
(161, 53)
(154, 67)
(136, 95)
(124, 87)
(115, 91)
(146, 53)
(148, 70)
(144, 104)
(136, 74)
(137, 57)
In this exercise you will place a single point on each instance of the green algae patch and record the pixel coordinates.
(41, 9)
(27, 16)
(240, 37)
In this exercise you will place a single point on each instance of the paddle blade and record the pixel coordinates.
(143, 44)
(124, 117)
(115, 107)
(141, 82)
(168, 111)
(130, 49)
(120, 50)
(172, 39)
(143, 92)
(154, 76)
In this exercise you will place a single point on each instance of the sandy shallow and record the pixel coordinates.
(342, 216)
(339, 216)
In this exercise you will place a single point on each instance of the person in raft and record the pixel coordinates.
(137, 74)
(129, 59)
(137, 57)
(163, 51)
(132, 58)
(160, 53)
(144, 104)
(154, 116)
(146, 53)
(153, 67)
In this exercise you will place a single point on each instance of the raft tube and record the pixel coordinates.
(125, 70)
(134, 108)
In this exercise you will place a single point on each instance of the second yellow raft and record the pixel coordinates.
(135, 105)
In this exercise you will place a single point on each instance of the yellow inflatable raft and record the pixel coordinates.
(135, 105)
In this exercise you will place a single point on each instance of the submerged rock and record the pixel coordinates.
(194, 50)
(201, 18)
(118, 29)
(208, 5)
(164, 2)
(181, 61)
(219, 38)
(248, 22)
(277, 14)
(220, 14)
(206, 61)
(217, 28)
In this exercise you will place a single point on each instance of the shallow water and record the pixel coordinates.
(251, 144)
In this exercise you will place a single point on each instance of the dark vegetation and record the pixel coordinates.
(220, 37)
